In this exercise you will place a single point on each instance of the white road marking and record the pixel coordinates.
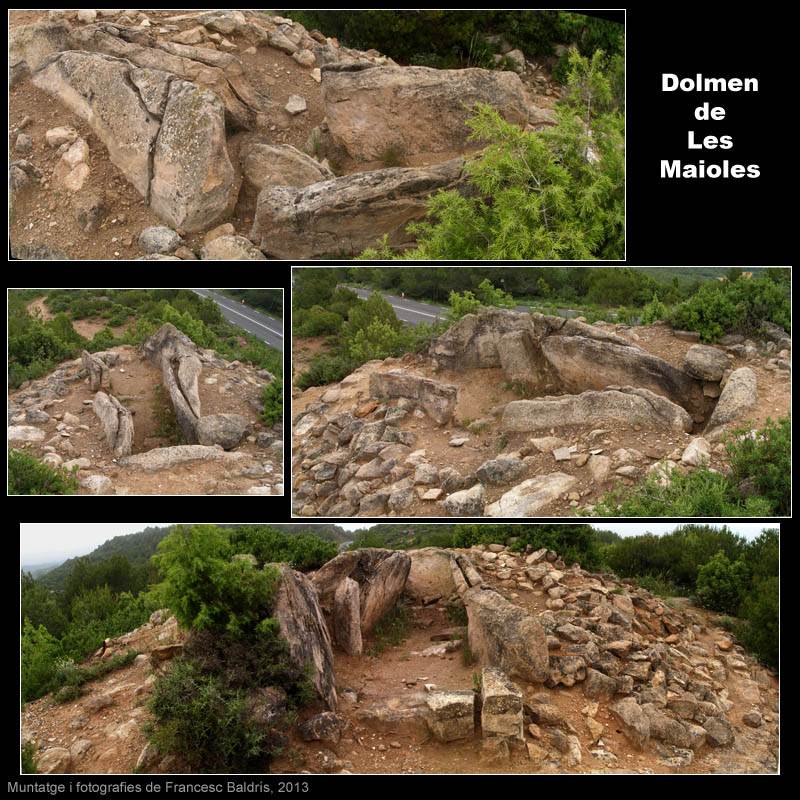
(236, 311)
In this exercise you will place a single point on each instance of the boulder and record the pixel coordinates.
(627, 405)
(599, 685)
(117, 422)
(466, 502)
(501, 706)
(25, 433)
(325, 727)
(347, 617)
(345, 215)
(529, 497)
(697, 452)
(302, 625)
(738, 396)
(159, 239)
(437, 399)
(633, 721)
(704, 362)
(193, 181)
(500, 470)
(231, 248)
(372, 109)
(266, 165)
(451, 715)
(55, 137)
(54, 760)
(430, 574)
(266, 706)
(719, 732)
(226, 430)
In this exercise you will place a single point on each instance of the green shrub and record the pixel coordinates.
(326, 368)
(272, 398)
(763, 462)
(73, 676)
(759, 630)
(206, 588)
(659, 585)
(654, 311)
(28, 758)
(720, 584)
(40, 654)
(316, 321)
(304, 551)
(461, 305)
(378, 340)
(204, 723)
(28, 475)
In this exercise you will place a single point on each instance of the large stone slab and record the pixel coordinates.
(501, 705)
(347, 617)
(371, 109)
(302, 625)
(531, 496)
(627, 405)
(738, 396)
(437, 399)
(117, 422)
(430, 574)
(451, 715)
(345, 215)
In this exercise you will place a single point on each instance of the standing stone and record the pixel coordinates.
(347, 617)
(97, 369)
(738, 396)
(501, 708)
(451, 715)
(303, 626)
(380, 593)
(117, 422)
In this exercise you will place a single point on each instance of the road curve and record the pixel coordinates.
(267, 329)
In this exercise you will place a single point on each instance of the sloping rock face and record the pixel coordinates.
(280, 165)
(302, 625)
(343, 216)
(547, 353)
(167, 136)
(627, 404)
(529, 497)
(381, 578)
(437, 399)
(30, 45)
(418, 109)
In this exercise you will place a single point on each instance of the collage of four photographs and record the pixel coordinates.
(489, 495)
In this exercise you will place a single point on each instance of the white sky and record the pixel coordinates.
(42, 542)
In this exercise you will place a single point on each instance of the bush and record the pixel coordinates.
(40, 654)
(763, 463)
(28, 475)
(759, 629)
(304, 551)
(205, 587)
(204, 723)
(378, 340)
(326, 368)
(720, 584)
(654, 311)
(272, 398)
(73, 677)
(316, 321)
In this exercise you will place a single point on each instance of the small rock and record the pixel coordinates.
(296, 105)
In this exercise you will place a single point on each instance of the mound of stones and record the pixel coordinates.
(666, 680)
(167, 99)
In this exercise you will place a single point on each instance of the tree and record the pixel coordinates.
(721, 583)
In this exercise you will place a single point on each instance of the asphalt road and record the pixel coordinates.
(267, 329)
(410, 310)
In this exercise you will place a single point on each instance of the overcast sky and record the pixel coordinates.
(43, 542)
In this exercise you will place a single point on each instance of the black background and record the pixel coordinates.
(678, 222)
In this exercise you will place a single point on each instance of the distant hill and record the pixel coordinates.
(139, 547)
(690, 274)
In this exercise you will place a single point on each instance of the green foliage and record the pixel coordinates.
(73, 677)
(205, 587)
(379, 339)
(759, 629)
(316, 321)
(326, 368)
(450, 39)
(741, 306)
(304, 551)
(27, 475)
(41, 607)
(40, 653)
(204, 723)
(655, 310)
(272, 398)
(764, 462)
(268, 300)
(761, 462)
(28, 758)
(659, 585)
(721, 583)
(486, 294)
(551, 195)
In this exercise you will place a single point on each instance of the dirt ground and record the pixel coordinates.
(481, 390)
